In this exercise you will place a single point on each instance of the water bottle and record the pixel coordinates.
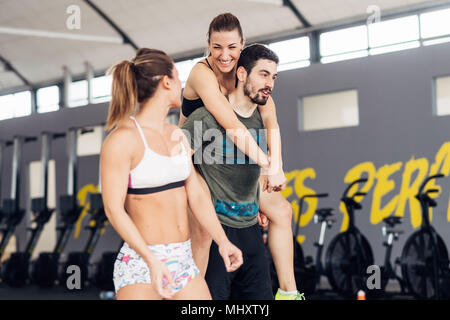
(107, 295)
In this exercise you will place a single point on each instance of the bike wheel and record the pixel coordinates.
(347, 258)
(417, 263)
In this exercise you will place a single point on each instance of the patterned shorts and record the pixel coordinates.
(130, 268)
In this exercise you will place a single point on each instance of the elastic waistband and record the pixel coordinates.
(232, 209)
(183, 244)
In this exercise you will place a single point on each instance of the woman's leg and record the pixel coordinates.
(138, 291)
(279, 212)
(196, 289)
(200, 238)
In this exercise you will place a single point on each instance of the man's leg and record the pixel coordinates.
(252, 281)
(217, 277)
(279, 212)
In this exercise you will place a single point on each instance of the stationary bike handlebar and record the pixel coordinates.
(422, 186)
(319, 195)
(344, 195)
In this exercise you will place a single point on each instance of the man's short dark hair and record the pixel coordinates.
(251, 54)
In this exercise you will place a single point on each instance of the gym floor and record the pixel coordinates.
(32, 292)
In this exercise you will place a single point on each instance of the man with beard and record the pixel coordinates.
(232, 178)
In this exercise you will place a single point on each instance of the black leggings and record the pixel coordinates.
(252, 280)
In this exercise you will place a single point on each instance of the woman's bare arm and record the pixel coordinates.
(275, 174)
(203, 81)
(203, 209)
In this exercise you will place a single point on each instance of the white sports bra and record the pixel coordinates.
(156, 172)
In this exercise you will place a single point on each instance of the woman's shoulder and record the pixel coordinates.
(122, 137)
(200, 70)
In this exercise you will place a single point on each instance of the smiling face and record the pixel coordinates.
(225, 48)
(259, 83)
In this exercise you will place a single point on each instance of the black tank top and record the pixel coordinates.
(189, 106)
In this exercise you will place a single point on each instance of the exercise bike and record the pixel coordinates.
(349, 253)
(103, 277)
(46, 269)
(308, 274)
(316, 270)
(16, 271)
(388, 271)
(96, 226)
(12, 214)
(424, 259)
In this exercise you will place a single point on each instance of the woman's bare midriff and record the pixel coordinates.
(160, 217)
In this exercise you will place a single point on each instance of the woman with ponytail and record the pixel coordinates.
(147, 180)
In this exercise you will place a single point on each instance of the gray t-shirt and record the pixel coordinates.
(231, 177)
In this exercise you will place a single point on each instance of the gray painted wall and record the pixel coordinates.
(396, 123)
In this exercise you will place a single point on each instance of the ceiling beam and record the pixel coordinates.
(59, 35)
(297, 13)
(10, 67)
(125, 37)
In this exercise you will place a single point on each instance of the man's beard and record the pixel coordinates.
(256, 98)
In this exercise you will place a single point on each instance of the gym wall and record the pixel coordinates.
(397, 144)
(398, 139)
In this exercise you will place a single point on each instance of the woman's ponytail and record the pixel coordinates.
(124, 93)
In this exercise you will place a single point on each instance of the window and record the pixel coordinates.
(344, 44)
(47, 99)
(436, 41)
(330, 110)
(435, 24)
(394, 35)
(442, 96)
(15, 105)
(6, 107)
(78, 94)
(292, 53)
(90, 143)
(101, 89)
(184, 68)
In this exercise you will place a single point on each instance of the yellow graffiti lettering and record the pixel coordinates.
(383, 186)
(441, 165)
(287, 192)
(300, 191)
(409, 189)
(353, 174)
(83, 201)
